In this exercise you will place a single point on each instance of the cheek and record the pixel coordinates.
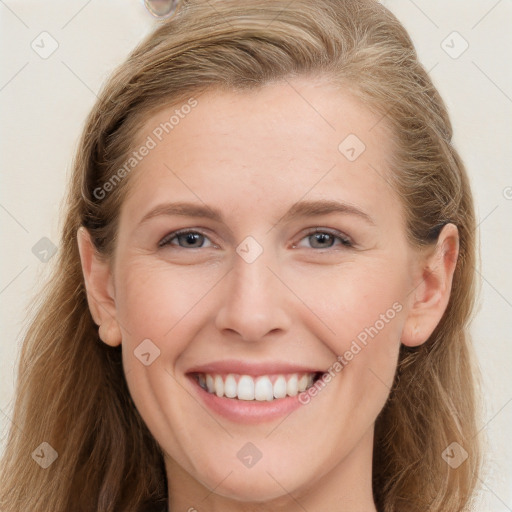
(156, 308)
(356, 301)
(359, 314)
(153, 299)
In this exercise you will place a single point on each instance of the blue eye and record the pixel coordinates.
(185, 239)
(321, 239)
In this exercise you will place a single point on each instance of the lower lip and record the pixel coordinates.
(247, 411)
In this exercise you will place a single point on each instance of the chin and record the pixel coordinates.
(250, 486)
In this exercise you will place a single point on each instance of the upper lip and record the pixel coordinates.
(252, 368)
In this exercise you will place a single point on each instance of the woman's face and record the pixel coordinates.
(252, 301)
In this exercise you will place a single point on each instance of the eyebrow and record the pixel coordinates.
(299, 209)
(324, 207)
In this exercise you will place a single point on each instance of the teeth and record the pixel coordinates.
(303, 383)
(292, 386)
(219, 386)
(262, 388)
(245, 388)
(209, 384)
(230, 386)
(280, 387)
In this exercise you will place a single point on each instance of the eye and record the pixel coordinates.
(325, 239)
(186, 239)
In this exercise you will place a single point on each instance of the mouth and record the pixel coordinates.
(261, 388)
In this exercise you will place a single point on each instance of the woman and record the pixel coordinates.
(265, 280)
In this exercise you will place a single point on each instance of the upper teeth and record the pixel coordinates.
(261, 388)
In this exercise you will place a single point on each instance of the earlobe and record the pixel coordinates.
(98, 285)
(431, 294)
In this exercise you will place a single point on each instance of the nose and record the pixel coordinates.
(254, 302)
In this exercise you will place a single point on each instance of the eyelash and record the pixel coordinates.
(345, 241)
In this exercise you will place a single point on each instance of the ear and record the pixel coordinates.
(100, 290)
(433, 286)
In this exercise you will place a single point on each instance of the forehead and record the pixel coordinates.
(267, 146)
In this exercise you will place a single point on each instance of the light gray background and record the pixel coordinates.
(44, 102)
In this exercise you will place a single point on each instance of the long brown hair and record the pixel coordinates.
(71, 390)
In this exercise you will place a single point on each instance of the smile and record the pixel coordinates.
(263, 388)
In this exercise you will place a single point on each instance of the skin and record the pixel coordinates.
(252, 155)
